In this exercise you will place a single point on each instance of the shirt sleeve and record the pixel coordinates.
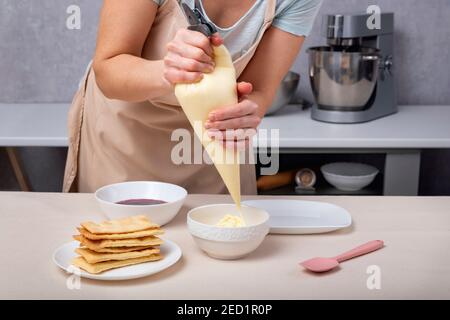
(296, 16)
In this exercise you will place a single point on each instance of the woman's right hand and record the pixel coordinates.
(189, 56)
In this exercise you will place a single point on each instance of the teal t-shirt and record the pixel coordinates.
(293, 16)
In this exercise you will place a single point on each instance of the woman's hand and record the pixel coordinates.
(189, 55)
(235, 125)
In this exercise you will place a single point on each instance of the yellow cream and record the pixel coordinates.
(216, 89)
(231, 221)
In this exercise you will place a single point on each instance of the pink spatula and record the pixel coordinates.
(327, 264)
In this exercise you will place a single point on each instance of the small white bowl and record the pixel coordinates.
(224, 242)
(349, 176)
(173, 195)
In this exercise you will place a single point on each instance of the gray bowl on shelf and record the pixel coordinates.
(349, 176)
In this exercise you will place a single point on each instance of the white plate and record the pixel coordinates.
(302, 217)
(171, 252)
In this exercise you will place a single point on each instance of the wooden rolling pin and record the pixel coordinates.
(275, 181)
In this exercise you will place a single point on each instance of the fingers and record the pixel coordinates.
(199, 40)
(243, 108)
(174, 76)
(216, 40)
(244, 88)
(240, 116)
(234, 126)
(233, 139)
(189, 51)
(187, 64)
(192, 44)
(189, 55)
(251, 121)
(195, 39)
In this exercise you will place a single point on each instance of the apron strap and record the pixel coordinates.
(76, 117)
(270, 11)
(83, 81)
(241, 62)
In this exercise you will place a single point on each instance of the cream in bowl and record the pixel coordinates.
(225, 232)
(159, 201)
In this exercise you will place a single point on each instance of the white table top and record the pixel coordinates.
(414, 264)
(29, 125)
(414, 127)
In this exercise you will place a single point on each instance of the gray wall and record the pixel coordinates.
(42, 61)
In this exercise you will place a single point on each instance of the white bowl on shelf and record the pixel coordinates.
(349, 176)
(173, 195)
(225, 242)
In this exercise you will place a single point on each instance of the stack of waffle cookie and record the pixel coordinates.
(117, 243)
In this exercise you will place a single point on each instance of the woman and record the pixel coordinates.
(122, 117)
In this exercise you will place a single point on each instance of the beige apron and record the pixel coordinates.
(114, 141)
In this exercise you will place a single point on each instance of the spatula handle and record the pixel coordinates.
(360, 250)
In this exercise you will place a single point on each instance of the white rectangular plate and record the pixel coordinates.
(302, 217)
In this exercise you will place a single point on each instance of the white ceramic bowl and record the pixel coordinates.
(173, 195)
(227, 243)
(349, 176)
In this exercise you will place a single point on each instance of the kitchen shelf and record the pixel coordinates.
(323, 188)
(321, 191)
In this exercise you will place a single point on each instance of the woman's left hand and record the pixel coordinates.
(235, 125)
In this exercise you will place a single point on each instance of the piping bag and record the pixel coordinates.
(216, 89)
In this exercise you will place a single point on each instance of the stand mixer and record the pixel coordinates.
(352, 78)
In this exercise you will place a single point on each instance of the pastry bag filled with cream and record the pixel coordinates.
(216, 89)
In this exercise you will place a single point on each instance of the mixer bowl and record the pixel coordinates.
(343, 79)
